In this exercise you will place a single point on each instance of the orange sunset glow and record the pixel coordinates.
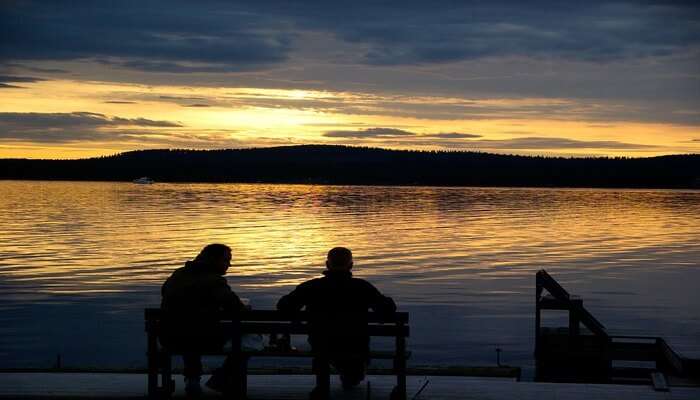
(539, 88)
(253, 117)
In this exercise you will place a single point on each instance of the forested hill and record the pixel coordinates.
(352, 165)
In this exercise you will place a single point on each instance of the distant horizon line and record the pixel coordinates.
(323, 145)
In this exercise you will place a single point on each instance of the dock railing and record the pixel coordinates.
(573, 354)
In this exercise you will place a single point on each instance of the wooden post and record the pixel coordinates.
(240, 371)
(152, 355)
(320, 365)
(243, 368)
(400, 363)
(167, 384)
(538, 320)
(574, 318)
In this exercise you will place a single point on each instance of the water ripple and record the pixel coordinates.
(460, 259)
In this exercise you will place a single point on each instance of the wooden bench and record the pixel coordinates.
(275, 322)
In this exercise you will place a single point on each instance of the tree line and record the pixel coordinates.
(324, 164)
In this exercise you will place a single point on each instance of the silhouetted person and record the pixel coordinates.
(192, 298)
(337, 304)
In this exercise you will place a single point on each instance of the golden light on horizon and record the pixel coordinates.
(163, 116)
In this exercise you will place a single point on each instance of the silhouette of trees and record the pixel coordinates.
(322, 164)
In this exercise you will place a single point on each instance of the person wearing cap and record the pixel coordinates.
(337, 304)
(192, 299)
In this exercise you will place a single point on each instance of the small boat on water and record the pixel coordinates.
(144, 180)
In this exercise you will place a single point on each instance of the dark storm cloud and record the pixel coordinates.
(69, 127)
(211, 36)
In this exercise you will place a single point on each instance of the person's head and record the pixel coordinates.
(217, 256)
(339, 259)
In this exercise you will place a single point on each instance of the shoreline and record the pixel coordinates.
(372, 185)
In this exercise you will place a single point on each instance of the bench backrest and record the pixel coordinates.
(271, 321)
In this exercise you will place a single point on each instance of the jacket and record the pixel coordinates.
(337, 304)
(192, 299)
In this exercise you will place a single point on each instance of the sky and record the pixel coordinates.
(596, 78)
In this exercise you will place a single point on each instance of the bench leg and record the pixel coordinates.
(235, 370)
(152, 355)
(168, 386)
(152, 376)
(321, 368)
(243, 377)
(399, 392)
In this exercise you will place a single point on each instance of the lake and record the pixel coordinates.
(80, 260)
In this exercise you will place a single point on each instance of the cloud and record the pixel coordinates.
(119, 102)
(143, 122)
(37, 69)
(429, 33)
(457, 140)
(197, 105)
(369, 133)
(164, 97)
(93, 128)
(395, 133)
(80, 118)
(453, 135)
(4, 79)
(183, 36)
(542, 143)
(174, 37)
(71, 127)
(9, 78)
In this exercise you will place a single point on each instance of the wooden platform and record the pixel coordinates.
(269, 387)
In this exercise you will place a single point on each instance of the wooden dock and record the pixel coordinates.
(288, 387)
(585, 352)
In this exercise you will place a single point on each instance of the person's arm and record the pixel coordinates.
(296, 300)
(378, 302)
(228, 300)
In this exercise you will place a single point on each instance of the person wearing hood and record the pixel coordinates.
(192, 299)
(337, 305)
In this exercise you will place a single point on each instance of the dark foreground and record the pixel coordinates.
(133, 386)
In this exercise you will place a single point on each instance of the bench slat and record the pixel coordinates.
(303, 329)
(377, 355)
(274, 315)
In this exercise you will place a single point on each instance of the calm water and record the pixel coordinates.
(80, 261)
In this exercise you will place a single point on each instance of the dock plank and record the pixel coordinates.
(296, 387)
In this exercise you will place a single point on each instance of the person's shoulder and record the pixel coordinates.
(363, 283)
(312, 282)
(176, 275)
(213, 280)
